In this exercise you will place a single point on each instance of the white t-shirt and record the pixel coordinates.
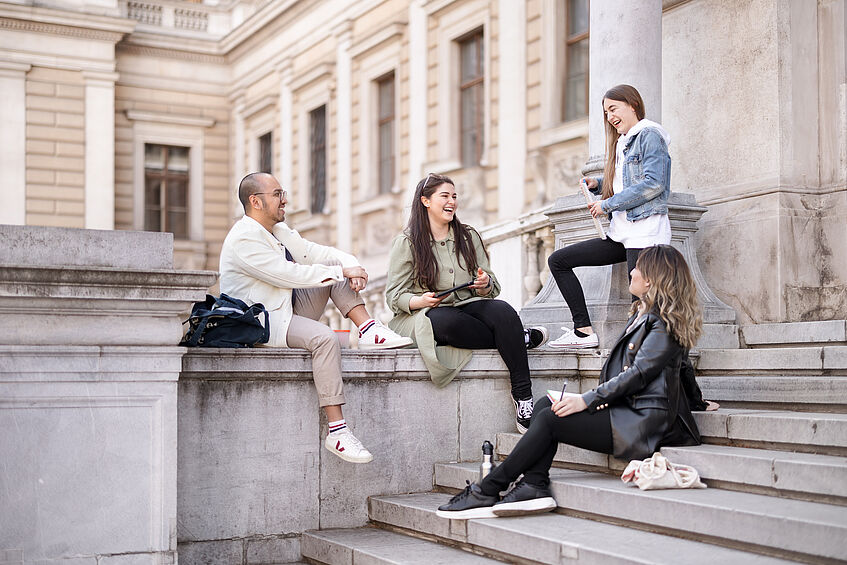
(652, 230)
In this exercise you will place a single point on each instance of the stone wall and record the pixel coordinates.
(253, 473)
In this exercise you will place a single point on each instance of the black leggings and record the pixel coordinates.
(590, 253)
(533, 454)
(486, 324)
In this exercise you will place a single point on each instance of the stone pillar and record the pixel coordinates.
(417, 98)
(88, 393)
(13, 142)
(286, 121)
(511, 130)
(100, 150)
(635, 28)
(607, 288)
(238, 166)
(344, 137)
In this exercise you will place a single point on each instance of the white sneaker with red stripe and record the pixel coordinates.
(374, 335)
(348, 447)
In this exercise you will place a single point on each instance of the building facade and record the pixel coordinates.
(138, 115)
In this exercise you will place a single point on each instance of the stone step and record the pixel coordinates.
(813, 432)
(776, 360)
(551, 538)
(806, 392)
(795, 333)
(794, 475)
(374, 546)
(791, 528)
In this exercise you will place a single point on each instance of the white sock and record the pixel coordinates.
(366, 325)
(337, 426)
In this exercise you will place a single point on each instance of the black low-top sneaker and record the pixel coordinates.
(523, 414)
(470, 503)
(525, 499)
(536, 336)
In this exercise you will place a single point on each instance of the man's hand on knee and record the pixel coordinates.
(357, 276)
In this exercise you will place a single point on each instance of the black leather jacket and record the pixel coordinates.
(640, 384)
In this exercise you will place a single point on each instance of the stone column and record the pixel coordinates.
(511, 130)
(637, 60)
(13, 142)
(286, 121)
(635, 29)
(238, 166)
(344, 136)
(417, 97)
(100, 150)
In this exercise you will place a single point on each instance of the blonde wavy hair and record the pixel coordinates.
(672, 293)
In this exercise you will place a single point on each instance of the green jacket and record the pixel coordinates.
(443, 361)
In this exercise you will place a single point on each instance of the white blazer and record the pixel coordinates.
(254, 268)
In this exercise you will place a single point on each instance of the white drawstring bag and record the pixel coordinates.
(657, 473)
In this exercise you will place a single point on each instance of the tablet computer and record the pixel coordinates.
(454, 289)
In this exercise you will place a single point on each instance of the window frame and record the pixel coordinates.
(164, 176)
(386, 186)
(318, 206)
(476, 86)
(571, 40)
(263, 153)
(153, 132)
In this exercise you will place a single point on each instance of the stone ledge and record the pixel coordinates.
(39, 246)
(781, 360)
(266, 362)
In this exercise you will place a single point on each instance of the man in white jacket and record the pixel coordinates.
(263, 260)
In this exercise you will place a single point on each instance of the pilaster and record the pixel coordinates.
(344, 136)
(417, 95)
(100, 150)
(13, 142)
(286, 121)
(511, 131)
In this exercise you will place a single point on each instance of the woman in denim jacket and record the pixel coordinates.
(634, 188)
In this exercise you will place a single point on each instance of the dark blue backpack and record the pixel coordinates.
(226, 322)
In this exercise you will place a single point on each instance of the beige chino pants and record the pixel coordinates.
(305, 332)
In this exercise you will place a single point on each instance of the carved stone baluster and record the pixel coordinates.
(531, 282)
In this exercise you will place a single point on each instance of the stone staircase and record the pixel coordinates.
(774, 457)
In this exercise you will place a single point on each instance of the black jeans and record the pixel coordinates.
(486, 324)
(533, 454)
(590, 253)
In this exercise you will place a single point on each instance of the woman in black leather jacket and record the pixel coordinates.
(637, 407)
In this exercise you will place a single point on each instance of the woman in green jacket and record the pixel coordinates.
(436, 253)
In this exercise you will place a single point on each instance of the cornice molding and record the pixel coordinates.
(386, 34)
(164, 53)
(58, 29)
(137, 116)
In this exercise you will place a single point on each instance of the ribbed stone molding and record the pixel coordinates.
(607, 288)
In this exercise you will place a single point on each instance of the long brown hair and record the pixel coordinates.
(621, 93)
(672, 293)
(420, 234)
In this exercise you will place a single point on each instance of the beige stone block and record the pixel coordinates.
(40, 176)
(40, 147)
(51, 74)
(70, 208)
(56, 163)
(55, 221)
(55, 133)
(40, 117)
(70, 149)
(123, 147)
(533, 74)
(123, 175)
(68, 178)
(52, 103)
(70, 91)
(40, 88)
(70, 120)
(39, 206)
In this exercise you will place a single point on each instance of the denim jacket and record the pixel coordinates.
(646, 176)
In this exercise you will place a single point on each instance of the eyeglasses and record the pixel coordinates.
(278, 194)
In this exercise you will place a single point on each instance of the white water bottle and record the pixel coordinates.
(487, 464)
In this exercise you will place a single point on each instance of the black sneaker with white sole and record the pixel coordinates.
(523, 414)
(525, 499)
(535, 336)
(468, 504)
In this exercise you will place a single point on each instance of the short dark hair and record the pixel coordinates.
(249, 185)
